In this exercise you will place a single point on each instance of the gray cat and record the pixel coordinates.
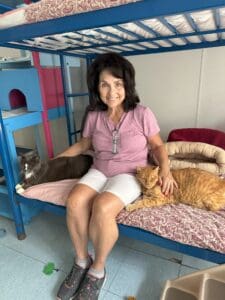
(34, 171)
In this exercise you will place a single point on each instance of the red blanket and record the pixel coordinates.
(203, 135)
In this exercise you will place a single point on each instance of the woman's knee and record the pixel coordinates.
(106, 206)
(99, 208)
(80, 198)
(72, 203)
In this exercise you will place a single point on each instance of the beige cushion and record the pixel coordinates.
(196, 155)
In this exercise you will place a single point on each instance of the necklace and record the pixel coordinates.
(115, 140)
(115, 132)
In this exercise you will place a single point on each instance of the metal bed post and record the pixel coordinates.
(72, 129)
(8, 173)
(67, 108)
(88, 63)
(5, 8)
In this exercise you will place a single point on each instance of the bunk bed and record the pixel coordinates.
(138, 27)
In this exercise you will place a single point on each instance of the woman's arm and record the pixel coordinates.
(166, 179)
(78, 148)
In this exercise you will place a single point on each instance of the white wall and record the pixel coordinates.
(212, 90)
(184, 88)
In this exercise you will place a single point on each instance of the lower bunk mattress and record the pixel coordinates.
(181, 223)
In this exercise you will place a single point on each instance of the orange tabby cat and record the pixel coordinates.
(196, 187)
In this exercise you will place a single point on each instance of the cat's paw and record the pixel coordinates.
(19, 189)
(130, 207)
(133, 206)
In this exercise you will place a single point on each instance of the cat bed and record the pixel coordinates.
(196, 155)
(182, 223)
(202, 135)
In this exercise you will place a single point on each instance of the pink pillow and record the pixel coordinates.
(54, 192)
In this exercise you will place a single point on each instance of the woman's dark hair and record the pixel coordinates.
(119, 67)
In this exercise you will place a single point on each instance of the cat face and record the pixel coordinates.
(29, 161)
(147, 176)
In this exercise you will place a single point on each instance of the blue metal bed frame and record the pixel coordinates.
(132, 12)
(145, 9)
(4, 8)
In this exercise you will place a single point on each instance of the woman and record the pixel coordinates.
(120, 131)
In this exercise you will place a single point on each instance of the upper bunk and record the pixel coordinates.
(137, 27)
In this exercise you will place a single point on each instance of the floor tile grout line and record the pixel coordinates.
(120, 244)
(122, 261)
(113, 278)
(113, 294)
(28, 256)
(171, 259)
(133, 248)
(151, 254)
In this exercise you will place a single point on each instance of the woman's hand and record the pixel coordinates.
(167, 182)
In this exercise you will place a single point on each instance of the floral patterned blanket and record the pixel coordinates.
(182, 223)
(51, 9)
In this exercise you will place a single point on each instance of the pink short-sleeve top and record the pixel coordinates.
(133, 130)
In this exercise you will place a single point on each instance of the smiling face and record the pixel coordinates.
(111, 89)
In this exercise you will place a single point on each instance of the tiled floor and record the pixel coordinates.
(134, 268)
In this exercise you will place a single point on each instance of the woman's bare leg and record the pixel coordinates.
(79, 205)
(103, 229)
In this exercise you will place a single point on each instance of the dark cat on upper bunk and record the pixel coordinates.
(34, 171)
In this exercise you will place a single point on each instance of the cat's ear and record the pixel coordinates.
(156, 169)
(22, 158)
(34, 154)
(35, 151)
(138, 169)
(21, 154)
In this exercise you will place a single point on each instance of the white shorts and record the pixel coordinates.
(124, 186)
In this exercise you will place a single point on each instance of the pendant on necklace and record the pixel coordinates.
(115, 141)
